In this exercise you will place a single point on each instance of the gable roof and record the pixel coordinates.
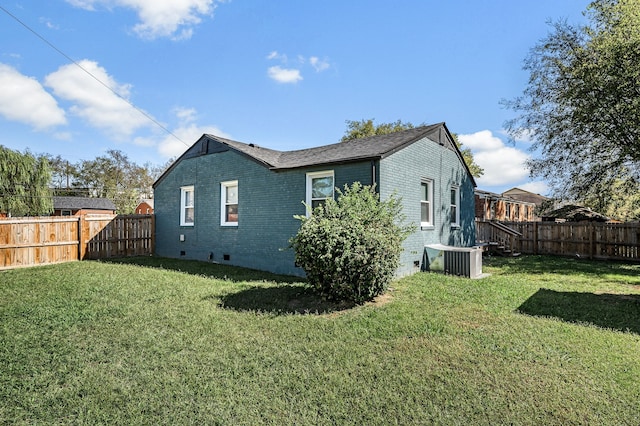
(82, 203)
(504, 196)
(517, 191)
(148, 201)
(369, 148)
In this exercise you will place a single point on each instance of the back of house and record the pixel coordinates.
(230, 202)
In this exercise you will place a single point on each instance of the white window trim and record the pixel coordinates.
(456, 224)
(183, 206)
(429, 183)
(310, 177)
(223, 202)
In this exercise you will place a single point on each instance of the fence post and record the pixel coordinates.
(592, 237)
(535, 238)
(81, 246)
(153, 234)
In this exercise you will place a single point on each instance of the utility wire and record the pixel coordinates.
(146, 115)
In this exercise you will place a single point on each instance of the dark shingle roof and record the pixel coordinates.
(372, 147)
(78, 203)
(369, 148)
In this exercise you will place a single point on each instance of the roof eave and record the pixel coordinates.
(327, 163)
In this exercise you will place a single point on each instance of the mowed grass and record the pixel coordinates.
(156, 341)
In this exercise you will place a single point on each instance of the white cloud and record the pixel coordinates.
(538, 187)
(183, 136)
(84, 4)
(319, 64)
(188, 133)
(503, 165)
(92, 101)
(284, 75)
(47, 22)
(185, 115)
(275, 55)
(293, 75)
(24, 99)
(481, 141)
(159, 18)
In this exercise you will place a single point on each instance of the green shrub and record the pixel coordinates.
(350, 248)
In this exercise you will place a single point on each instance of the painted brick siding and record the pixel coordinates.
(403, 172)
(267, 202)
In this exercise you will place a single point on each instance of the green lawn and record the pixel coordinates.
(156, 341)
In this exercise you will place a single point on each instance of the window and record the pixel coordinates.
(65, 213)
(426, 203)
(455, 206)
(187, 211)
(229, 203)
(508, 211)
(320, 187)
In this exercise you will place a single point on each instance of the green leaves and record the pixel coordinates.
(350, 248)
(582, 102)
(366, 128)
(116, 177)
(24, 180)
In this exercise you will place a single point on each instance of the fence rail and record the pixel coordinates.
(591, 240)
(44, 240)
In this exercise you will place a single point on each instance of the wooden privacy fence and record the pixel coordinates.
(34, 241)
(591, 240)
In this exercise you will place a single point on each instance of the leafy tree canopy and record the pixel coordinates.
(581, 106)
(111, 176)
(24, 184)
(366, 128)
(115, 177)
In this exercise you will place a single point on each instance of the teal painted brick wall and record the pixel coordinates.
(403, 173)
(268, 201)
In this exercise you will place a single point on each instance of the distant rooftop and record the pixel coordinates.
(82, 203)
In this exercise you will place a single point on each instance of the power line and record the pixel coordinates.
(48, 43)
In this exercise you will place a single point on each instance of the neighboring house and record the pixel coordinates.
(80, 206)
(523, 195)
(231, 202)
(144, 207)
(492, 206)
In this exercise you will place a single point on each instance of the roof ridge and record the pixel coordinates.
(373, 147)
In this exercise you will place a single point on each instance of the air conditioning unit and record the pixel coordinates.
(461, 261)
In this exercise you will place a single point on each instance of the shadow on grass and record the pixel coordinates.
(205, 269)
(289, 295)
(614, 311)
(281, 300)
(540, 264)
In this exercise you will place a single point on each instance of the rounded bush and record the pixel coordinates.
(350, 248)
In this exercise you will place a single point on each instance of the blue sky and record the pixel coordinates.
(281, 74)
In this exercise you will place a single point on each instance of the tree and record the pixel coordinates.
(24, 184)
(115, 177)
(582, 103)
(63, 174)
(366, 128)
(350, 248)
